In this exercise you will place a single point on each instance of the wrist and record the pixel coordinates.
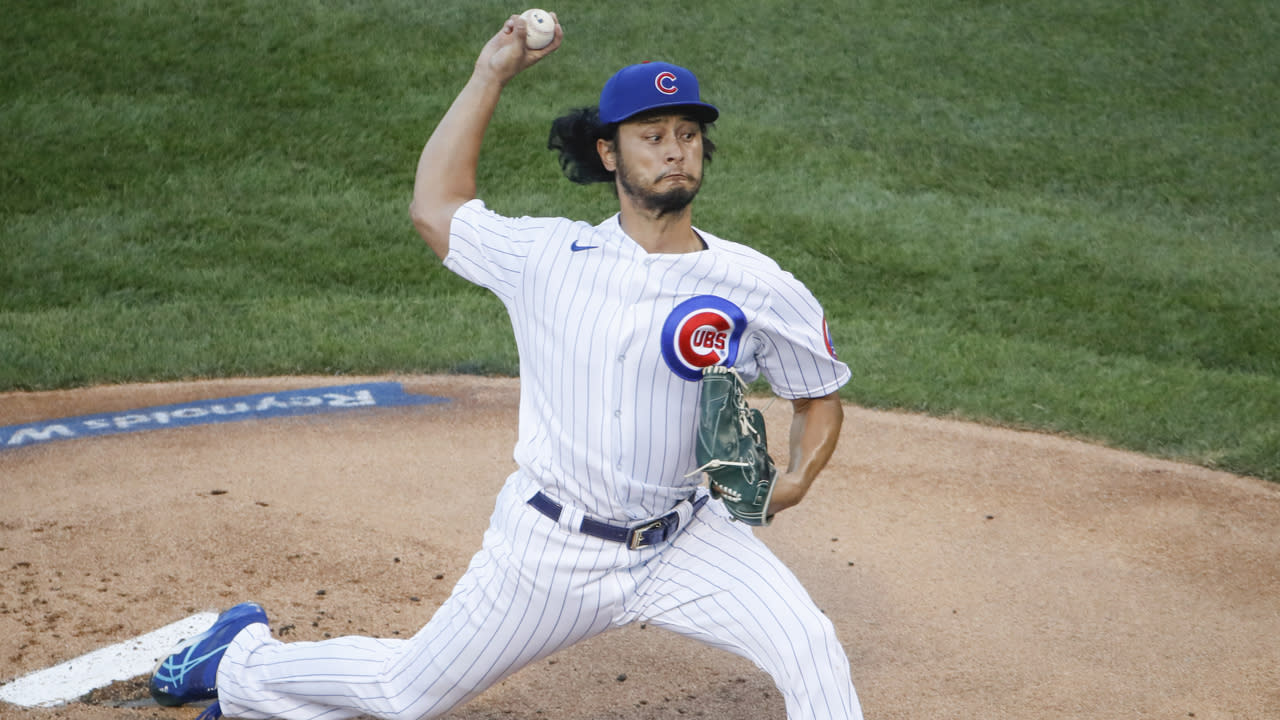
(788, 490)
(484, 78)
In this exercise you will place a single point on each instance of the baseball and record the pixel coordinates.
(541, 29)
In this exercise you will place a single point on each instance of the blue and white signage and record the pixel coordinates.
(205, 412)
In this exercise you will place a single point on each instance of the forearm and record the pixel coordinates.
(815, 430)
(446, 173)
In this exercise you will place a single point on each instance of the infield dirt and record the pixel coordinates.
(971, 572)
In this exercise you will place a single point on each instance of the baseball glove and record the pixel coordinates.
(732, 448)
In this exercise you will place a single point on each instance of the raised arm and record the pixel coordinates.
(815, 429)
(446, 176)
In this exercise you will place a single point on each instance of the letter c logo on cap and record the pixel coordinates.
(666, 83)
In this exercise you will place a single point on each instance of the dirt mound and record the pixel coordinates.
(970, 571)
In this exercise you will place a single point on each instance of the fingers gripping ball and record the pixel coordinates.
(540, 28)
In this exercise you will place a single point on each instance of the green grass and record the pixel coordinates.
(1060, 217)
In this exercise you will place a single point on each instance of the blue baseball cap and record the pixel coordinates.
(651, 86)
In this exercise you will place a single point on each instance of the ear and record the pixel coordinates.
(608, 154)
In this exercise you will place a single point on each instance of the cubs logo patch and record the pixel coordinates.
(700, 332)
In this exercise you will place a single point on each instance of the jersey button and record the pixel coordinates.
(617, 413)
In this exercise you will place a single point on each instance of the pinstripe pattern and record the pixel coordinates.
(604, 423)
(606, 428)
(534, 589)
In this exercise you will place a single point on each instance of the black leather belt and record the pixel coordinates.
(634, 537)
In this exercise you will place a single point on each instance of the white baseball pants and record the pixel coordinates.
(536, 587)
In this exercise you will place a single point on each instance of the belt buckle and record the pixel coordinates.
(637, 534)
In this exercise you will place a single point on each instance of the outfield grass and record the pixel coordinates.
(1061, 217)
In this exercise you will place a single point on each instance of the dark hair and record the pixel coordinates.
(574, 136)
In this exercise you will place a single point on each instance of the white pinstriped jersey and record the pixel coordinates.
(611, 340)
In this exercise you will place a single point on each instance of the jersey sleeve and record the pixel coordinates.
(795, 354)
(489, 249)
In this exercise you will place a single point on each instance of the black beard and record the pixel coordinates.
(670, 202)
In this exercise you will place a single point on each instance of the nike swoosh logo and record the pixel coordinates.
(574, 246)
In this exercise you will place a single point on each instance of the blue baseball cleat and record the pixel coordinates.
(190, 672)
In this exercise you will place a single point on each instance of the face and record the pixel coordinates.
(658, 162)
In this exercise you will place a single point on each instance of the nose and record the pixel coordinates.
(674, 149)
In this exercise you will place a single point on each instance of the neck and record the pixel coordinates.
(660, 232)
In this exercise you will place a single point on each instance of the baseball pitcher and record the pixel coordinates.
(642, 470)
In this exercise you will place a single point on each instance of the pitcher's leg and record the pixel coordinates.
(514, 605)
(721, 585)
